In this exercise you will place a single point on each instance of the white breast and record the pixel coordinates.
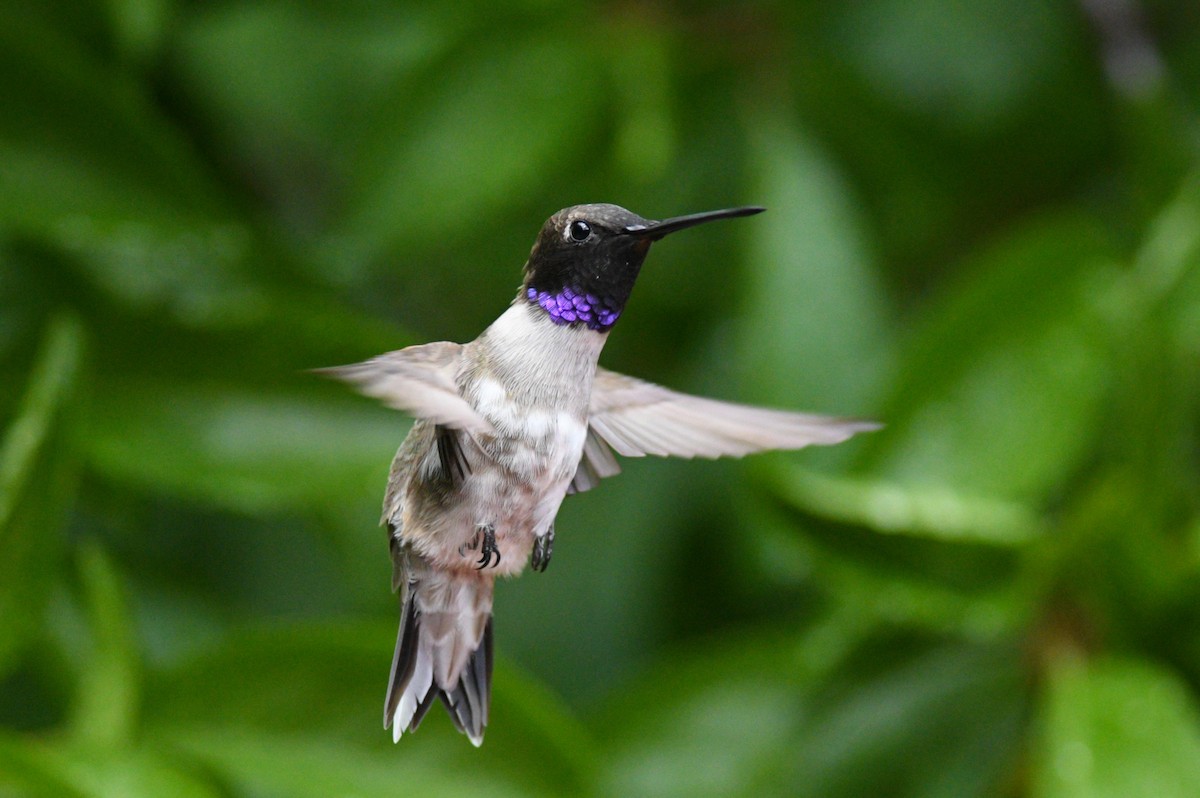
(533, 382)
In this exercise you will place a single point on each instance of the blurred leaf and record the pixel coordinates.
(951, 715)
(973, 590)
(966, 65)
(55, 769)
(945, 723)
(1116, 727)
(1000, 388)
(294, 679)
(245, 451)
(28, 767)
(927, 512)
(269, 764)
(192, 269)
(105, 714)
(140, 27)
(319, 69)
(322, 688)
(646, 140)
(532, 718)
(81, 140)
(89, 164)
(706, 722)
(496, 118)
(945, 562)
(816, 317)
(36, 485)
(1166, 270)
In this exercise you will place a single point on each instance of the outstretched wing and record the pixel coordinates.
(637, 418)
(418, 380)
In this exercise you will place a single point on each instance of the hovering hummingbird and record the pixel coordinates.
(508, 425)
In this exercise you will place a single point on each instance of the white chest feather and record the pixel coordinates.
(532, 380)
(531, 441)
(535, 386)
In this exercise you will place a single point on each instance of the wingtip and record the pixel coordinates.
(849, 427)
(329, 372)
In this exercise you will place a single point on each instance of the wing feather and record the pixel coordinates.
(638, 418)
(419, 380)
(596, 463)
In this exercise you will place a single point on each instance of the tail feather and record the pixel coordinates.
(443, 650)
(468, 701)
(404, 660)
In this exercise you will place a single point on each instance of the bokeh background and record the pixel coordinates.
(983, 230)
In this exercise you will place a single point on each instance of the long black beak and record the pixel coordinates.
(656, 230)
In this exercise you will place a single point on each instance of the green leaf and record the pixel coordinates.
(260, 763)
(532, 718)
(1000, 390)
(52, 768)
(1116, 727)
(815, 317)
(706, 722)
(958, 588)
(80, 140)
(498, 116)
(939, 513)
(109, 679)
(243, 450)
(962, 65)
(36, 485)
(1166, 275)
(945, 723)
(321, 687)
(193, 270)
(320, 70)
(751, 715)
(140, 28)
(946, 563)
(33, 769)
(90, 165)
(296, 678)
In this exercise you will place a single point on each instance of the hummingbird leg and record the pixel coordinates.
(543, 547)
(488, 547)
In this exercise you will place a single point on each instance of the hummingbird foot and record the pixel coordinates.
(487, 547)
(543, 547)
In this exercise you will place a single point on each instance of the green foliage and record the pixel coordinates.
(984, 230)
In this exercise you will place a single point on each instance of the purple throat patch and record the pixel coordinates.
(569, 307)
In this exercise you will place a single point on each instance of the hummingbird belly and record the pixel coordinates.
(523, 478)
(512, 482)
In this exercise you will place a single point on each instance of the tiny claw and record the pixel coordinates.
(487, 548)
(543, 547)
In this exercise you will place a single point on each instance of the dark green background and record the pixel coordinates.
(983, 229)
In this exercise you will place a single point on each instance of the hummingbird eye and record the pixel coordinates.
(579, 231)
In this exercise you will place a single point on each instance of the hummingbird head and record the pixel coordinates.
(587, 257)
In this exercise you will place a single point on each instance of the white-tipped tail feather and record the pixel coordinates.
(443, 650)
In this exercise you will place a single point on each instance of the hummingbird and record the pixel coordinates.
(508, 425)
